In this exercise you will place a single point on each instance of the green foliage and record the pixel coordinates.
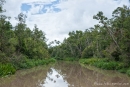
(13, 41)
(6, 69)
(70, 59)
(123, 70)
(21, 41)
(20, 47)
(128, 72)
(3, 57)
(24, 47)
(89, 61)
(51, 60)
(108, 39)
(105, 54)
(71, 47)
(116, 55)
(106, 65)
(29, 63)
(103, 63)
(87, 52)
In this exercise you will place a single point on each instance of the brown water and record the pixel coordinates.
(64, 74)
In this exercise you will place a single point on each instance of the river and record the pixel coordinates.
(65, 74)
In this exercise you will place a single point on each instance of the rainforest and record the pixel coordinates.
(104, 46)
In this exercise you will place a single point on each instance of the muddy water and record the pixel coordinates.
(64, 74)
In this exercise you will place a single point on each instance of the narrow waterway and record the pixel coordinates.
(64, 74)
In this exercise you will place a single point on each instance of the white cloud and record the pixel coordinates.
(74, 15)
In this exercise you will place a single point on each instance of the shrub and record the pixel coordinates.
(3, 58)
(6, 69)
(29, 63)
(52, 60)
(87, 52)
(106, 65)
(128, 72)
(116, 55)
(22, 66)
(103, 63)
(105, 54)
(89, 61)
(69, 59)
(123, 70)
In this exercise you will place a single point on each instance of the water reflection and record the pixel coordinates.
(64, 74)
(25, 78)
(53, 79)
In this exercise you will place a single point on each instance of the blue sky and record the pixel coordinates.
(58, 17)
(44, 6)
(25, 7)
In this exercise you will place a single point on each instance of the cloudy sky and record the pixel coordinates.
(57, 17)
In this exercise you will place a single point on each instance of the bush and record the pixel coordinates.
(116, 55)
(6, 69)
(103, 63)
(106, 65)
(105, 54)
(22, 66)
(87, 52)
(89, 61)
(51, 60)
(128, 72)
(123, 70)
(29, 63)
(69, 59)
(3, 58)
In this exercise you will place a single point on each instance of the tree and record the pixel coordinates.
(1, 4)
(121, 20)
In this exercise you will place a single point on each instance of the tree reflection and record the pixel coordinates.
(64, 74)
(77, 76)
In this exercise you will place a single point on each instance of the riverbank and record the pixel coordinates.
(106, 64)
(71, 59)
(65, 74)
(11, 68)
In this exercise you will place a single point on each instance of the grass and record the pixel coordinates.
(70, 59)
(103, 63)
(128, 72)
(8, 68)
(123, 70)
(106, 64)
(89, 61)
(29, 63)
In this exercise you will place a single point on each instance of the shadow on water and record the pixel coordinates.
(64, 74)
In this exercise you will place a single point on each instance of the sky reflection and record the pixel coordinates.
(54, 79)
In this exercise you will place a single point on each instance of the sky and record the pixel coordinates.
(54, 77)
(59, 17)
